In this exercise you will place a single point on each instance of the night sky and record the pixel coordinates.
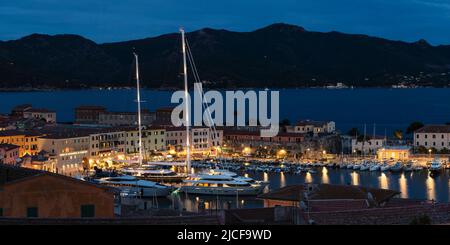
(116, 20)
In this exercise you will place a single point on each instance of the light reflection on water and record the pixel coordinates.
(403, 183)
(355, 178)
(325, 178)
(282, 180)
(384, 182)
(416, 185)
(431, 190)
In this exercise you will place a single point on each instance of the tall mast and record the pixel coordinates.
(187, 103)
(139, 109)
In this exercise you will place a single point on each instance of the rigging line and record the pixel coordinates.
(197, 78)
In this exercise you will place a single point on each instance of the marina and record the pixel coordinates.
(416, 184)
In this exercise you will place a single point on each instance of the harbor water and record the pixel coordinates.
(413, 185)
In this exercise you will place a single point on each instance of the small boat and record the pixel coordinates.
(417, 168)
(342, 165)
(397, 167)
(374, 167)
(356, 166)
(364, 167)
(385, 167)
(408, 167)
(130, 184)
(312, 171)
(436, 166)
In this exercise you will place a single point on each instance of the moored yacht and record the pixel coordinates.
(374, 167)
(436, 166)
(131, 184)
(222, 183)
(155, 173)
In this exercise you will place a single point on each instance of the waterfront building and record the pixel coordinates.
(153, 140)
(28, 193)
(249, 139)
(368, 146)
(394, 152)
(314, 127)
(9, 154)
(164, 116)
(88, 114)
(42, 161)
(27, 111)
(40, 114)
(26, 140)
(19, 110)
(106, 143)
(433, 136)
(125, 118)
(70, 148)
(203, 140)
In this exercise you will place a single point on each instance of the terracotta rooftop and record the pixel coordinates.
(10, 174)
(9, 147)
(39, 110)
(434, 129)
(328, 192)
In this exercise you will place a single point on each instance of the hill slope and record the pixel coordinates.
(278, 55)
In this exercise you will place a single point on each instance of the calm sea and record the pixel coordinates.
(413, 185)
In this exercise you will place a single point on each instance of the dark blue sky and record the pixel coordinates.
(115, 20)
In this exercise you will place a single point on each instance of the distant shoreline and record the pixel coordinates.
(19, 89)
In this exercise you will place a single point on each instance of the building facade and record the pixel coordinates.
(32, 194)
(71, 151)
(314, 127)
(26, 140)
(433, 136)
(9, 154)
(153, 140)
(40, 114)
(394, 152)
(202, 139)
(126, 118)
(369, 146)
(88, 114)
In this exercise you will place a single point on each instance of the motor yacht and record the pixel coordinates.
(223, 183)
(131, 184)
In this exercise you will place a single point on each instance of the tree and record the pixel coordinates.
(353, 132)
(285, 122)
(398, 134)
(413, 127)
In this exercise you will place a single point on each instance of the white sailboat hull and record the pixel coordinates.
(222, 191)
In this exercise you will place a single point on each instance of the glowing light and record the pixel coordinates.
(282, 180)
(355, 178)
(431, 190)
(403, 186)
(384, 181)
(325, 178)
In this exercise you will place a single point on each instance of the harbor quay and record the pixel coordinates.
(113, 171)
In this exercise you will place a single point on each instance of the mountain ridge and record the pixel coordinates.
(282, 54)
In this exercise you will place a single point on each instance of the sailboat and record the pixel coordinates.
(131, 184)
(213, 182)
(155, 171)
